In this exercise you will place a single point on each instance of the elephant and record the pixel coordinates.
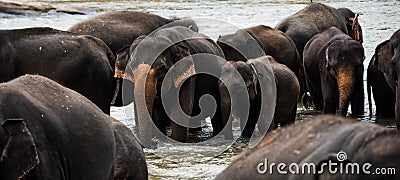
(307, 148)
(333, 68)
(51, 132)
(80, 62)
(273, 42)
(147, 79)
(287, 93)
(387, 60)
(119, 28)
(395, 44)
(314, 19)
(383, 92)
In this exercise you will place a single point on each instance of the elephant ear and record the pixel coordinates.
(327, 64)
(356, 31)
(122, 58)
(19, 155)
(182, 69)
(382, 59)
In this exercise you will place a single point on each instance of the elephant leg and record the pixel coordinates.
(247, 131)
(315, 89)
(357, 99)
(302, 82)
(198, 92)
(217, 123)
(330, 97)
(160, 119)
(186, 98)
(196, 111)
(225, 108)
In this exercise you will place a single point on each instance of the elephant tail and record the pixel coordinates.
(369, 87)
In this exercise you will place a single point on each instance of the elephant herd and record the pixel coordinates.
(55, 118)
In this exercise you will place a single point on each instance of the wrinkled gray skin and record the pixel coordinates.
(51, 132)
(333, 66)
(287, 88)
(317, 141)
(383, 87)
(388, 62)
(82, 63)
(316, 18)
(190, 91)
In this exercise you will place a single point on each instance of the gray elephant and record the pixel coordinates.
(308, 148)
(168, 47)
(387, 60)
(382, 86)
(120, 28)
(82, 63)
(287, 92)
(316, 18)
(257, 41)
(333, 66)
(52, 132)
(273, 42)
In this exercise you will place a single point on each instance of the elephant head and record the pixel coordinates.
(122, 59)
(240, 46)
(344, 62)
(19, 155)
(248, 75)
(149, 62)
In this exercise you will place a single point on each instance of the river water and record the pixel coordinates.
(379, 19)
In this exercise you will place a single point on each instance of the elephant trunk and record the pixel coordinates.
(346, 79)
(145, 91)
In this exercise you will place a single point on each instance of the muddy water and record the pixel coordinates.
(379, 20)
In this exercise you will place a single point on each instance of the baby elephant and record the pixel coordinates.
(325, 147)
(283, 90)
